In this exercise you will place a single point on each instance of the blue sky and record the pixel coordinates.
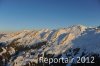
(36, 14)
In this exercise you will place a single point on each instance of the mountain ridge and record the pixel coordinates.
(20, 44)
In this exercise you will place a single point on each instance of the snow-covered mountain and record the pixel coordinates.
(23, 48)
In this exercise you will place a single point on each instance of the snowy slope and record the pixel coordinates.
(22, 48)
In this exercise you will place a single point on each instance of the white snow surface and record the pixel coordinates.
(59, 41)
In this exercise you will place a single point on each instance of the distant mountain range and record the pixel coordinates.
(23, 48)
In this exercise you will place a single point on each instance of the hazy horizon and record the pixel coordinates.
(16, 15)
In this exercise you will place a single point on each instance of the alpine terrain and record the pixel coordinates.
(24, 48)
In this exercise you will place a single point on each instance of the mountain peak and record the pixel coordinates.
(79, 25)
(28, 44)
